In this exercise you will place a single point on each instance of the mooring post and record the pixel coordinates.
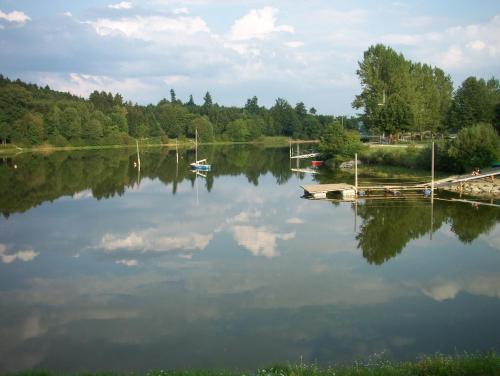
(432, 172)
(177, 151)
(432, 191)
(356, 172)
(138, 156)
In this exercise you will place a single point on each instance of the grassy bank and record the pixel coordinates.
(408, 156)
(184, 143)
(463, 365)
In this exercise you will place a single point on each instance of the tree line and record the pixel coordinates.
(401, 96)
(35, 115)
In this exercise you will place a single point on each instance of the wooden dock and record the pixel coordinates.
(305, 156)
(321, 190)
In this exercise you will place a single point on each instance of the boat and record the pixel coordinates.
(316, 163)
(199, 165)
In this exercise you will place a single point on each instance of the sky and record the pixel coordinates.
(297, 50)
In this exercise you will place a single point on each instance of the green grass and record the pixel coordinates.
(440, 365)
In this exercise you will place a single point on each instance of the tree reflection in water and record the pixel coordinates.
(388, 225)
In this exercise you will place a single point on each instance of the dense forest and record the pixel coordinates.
(31, 115)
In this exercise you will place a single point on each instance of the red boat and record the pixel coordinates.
(316, 163)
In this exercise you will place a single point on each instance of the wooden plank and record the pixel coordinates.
(318, 188)
(304, 156)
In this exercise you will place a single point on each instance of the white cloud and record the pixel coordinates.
(487, 285)
(452, 57)
(259, 240)
(175, 79)
(68, 14)
(181, 11)
(477, 45)
(15, 16)
(257, 24)
(84, 84)
(245, 216)
(127, 262)
(294, 44)
(87, 193)
(458, 47)
(121, 5)
(295, 221)
(149, 28)
(24, 255)
(154, 240)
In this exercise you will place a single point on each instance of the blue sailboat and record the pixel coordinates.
(199, 165)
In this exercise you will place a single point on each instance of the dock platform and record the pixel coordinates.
(321, 190)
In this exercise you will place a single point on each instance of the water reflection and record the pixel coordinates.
(104, 270)
(387, 226)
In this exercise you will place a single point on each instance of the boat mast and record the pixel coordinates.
(196, 144)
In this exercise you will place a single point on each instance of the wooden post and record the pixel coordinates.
(177, 151)
(356, 172)
(432, 191)
(138, 156)
(432, 172)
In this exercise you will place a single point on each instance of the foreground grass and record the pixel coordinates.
(463, 365)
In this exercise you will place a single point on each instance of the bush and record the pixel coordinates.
(340, 143)
(476, 146)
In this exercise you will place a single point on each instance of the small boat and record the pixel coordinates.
(199, 165)
(317, 163)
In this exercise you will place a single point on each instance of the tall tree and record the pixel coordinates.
(474, 102)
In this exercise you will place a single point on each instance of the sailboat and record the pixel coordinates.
(199, 165)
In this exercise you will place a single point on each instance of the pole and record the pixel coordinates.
(176, 151)
(432, 190)
(432, 172)
(356, 172)
(196, 145)
(138, 156)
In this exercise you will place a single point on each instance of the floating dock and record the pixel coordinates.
(321, 190)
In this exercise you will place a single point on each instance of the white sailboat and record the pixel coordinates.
(199, 165)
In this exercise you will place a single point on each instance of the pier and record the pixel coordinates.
(347, 191)
(351, 192)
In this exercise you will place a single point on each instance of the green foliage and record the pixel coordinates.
(339, 142)
(70, 123)
(106, 119)
(399, 95)
(474, 102)
(438, 365)
(14, 102)
(28, 129)
(205, 129)
(476, 146)
(4, 133)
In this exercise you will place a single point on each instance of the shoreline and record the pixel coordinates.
(481, 188)
(188, 143)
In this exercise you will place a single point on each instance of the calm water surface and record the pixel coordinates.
(103, 268)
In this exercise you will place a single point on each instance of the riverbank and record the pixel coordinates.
(186, 143)
(463, 365)
(484, 188)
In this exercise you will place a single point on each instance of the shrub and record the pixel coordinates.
(475, 146)
(340, 143)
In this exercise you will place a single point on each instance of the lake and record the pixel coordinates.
(103, 267)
